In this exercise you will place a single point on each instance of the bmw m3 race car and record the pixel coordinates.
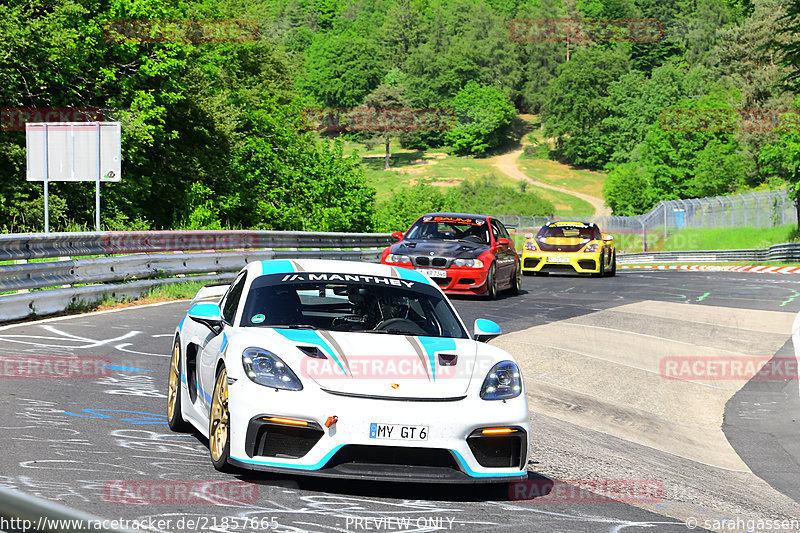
(577, 247)
(462, 253)
(347, 369)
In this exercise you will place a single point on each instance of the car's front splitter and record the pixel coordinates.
(390, 473)
(447, 433)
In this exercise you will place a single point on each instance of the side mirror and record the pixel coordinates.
(207, 314)
(398, 235)
(502, 241)
(607, 237)
(485, 330)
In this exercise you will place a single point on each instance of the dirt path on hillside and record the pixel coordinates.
(507, 164)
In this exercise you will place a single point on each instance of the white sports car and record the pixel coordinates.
(346, 369)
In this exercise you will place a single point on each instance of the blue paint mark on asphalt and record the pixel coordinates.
(145, 418)
(127, 368)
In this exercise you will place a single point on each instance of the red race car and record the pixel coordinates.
(462, 253)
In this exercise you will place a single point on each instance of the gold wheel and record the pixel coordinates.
(174, 411)
(218, 427)
(174, 388)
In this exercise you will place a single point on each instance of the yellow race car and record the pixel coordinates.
(576, 247)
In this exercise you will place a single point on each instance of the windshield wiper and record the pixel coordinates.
(388, 331)
(288, 326)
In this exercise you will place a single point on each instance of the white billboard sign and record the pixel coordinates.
(75, 151)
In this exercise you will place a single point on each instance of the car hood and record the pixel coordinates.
(450, 249)
(374, 364)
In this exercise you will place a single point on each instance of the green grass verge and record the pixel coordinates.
(727, 263)
(436, 168)
(565, 204)
(728, 238)
(560, 175)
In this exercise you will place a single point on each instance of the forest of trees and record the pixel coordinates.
(215, 135)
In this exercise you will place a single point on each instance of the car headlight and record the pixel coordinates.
(502, 382)
(472, 263)
(530, 245)
(394, 258)
(591, 248)
(266, 368)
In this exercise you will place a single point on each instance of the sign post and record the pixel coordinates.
(73, 151)
(46, 179)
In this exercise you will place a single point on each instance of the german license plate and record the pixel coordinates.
(433, 273)
(397, 432)
(558, 259)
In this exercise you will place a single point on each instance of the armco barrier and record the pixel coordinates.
(23, 512)
(40, 245)
(155, 258)
(778, 252)
(152, 258)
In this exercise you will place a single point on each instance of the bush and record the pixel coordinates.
(628, 190)
(536, 151)
(483, 116)
(406, 205)
(487, 196)
(483, 196)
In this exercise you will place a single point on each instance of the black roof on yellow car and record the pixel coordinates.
(566, 223)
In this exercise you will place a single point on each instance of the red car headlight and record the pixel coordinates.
(471, 263)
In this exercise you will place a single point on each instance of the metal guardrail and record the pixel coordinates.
(163, 257)
(214, 256)
(778, 252)
(40, 245)
(21, 512)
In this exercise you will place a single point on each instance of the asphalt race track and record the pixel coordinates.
(74, 441)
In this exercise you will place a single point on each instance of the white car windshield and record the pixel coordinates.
(441, 228)
(358, 303)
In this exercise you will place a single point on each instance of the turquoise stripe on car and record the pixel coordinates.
(433, 345)
(316, 466)
(412, 275)
(276, 266)
(470, 472)
(309, 336)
